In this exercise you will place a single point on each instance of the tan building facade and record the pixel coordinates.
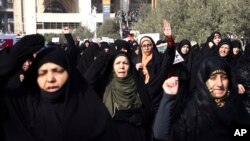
(49, 16)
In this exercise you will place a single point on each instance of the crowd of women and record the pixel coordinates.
(124, 91)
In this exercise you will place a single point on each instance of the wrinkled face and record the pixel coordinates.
(224, 50)
(121, 66)
(236, 51)
(218, 83)
(147, 47)
(51, 77)
(217, 39)
(185, 49)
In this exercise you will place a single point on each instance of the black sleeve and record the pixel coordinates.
(162, 123)
(11, 59)
(72, 50)
(95, 69)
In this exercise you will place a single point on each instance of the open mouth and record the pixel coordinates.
(53, 88)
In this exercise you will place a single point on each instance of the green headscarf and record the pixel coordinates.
(121, 94)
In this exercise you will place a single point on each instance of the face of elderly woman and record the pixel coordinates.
(121, 66)
(51, 77)
(218, 84)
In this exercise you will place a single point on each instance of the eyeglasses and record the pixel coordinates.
(147, 45)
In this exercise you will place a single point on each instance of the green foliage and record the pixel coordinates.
(196, 19)
(110, 28)
(82, 33)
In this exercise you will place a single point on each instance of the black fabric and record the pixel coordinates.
(105, 45)
(83, 46)
(14, 81)
(159, 67)
(88, 57)
(243, 76)
(236, 44)
(228, 42)
(80, 115)
(183, 69)
(72, 50)
(201, 119)
(131, 124)
(204, 52)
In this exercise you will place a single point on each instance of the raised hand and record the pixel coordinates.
(171, 85)
(167, 28)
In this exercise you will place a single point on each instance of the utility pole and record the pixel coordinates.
(154, 4)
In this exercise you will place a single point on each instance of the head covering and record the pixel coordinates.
(88, 57)
(181, 44)
(121, 94)
(211, 65)
(151, 63)
(62, 119)
(213, 34)
(121, 44)
(55, 55)
(126, 93)
(226, 41)
(48, 55)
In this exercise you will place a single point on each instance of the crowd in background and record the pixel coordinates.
(124, 91)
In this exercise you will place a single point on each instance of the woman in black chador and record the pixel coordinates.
(153, 66)
(211, 114)
(243, 77)
(124, 95)
(53, 102)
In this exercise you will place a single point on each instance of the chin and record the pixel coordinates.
(220, 95)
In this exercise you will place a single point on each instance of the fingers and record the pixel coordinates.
(170, 86)
(166, 23)
(138, 66)
(171, 82)
(241, 89)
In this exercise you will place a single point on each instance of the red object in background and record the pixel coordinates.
(6, 43)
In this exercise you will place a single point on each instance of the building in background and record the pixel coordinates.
(6, 16)
(49, 16)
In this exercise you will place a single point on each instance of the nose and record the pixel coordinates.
(121, 65)
(219, 81)
(51, 78)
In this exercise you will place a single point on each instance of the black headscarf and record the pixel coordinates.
(202, 119)
(79, 115)
(206, 50)
(180, 45)
(228, 42)
(88, 57)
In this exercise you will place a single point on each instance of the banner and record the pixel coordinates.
(7, 41)
(162, 47)
(177, 58)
